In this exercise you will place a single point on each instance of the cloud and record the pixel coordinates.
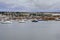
(29, 5)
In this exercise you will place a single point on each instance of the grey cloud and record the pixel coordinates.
(32, 4)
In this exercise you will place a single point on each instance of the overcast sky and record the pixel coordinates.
(30, 5)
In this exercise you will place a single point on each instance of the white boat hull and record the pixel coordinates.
(6, 22)
(21, 21)
(57, 19)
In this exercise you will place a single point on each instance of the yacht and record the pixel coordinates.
(57, 19)
(40, 20)
(6, 22)
(22, 21)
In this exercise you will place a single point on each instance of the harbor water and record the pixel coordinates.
(43, 30)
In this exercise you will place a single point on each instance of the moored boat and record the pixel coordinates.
(35, 20)
(40, 20)
(6, 22)
(22, 21)
(57, 19)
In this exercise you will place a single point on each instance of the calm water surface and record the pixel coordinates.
(44, 30)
